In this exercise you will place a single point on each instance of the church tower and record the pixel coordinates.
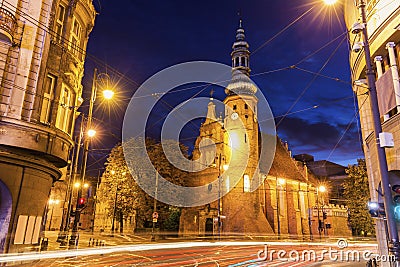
(240, 208)
(229, 146)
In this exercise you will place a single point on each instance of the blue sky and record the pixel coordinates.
(140, 38)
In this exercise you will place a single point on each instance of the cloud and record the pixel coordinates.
(321, 139)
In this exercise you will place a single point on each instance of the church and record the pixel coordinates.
(283, 200)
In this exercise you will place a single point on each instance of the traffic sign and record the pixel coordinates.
(154, 220)
(155, 215)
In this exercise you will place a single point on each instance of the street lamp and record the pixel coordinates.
(361, 28)
(330, 2)
(86, 143)
(321, 224)
(221, 167)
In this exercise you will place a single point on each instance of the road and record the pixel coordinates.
(201, 253)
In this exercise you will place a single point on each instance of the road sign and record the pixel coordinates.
(155, 215)
(154, 220)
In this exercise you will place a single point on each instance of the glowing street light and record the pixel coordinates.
(322, 188)
(91, 133)
(108, 94)
(101, 78)
(330, 2)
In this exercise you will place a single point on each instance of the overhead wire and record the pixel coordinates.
(310, 83)
(96, 60)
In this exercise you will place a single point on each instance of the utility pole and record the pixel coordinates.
(86, 143)
(153, 237)
(394, 245)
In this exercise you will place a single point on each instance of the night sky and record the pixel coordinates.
(140, 38)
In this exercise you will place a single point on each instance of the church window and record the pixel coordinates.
(242, 61)
(246, 106)
(246, 183)
(245, 138)
(234, 107)
(236, 62)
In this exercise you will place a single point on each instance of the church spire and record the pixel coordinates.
(240, 52)
(240, 83)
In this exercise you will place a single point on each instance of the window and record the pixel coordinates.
(64, 109)
(59, 22)
(234, 107)
(75, 37)
(246, 183)
(246, 106)
(49, 85)
(242, 61)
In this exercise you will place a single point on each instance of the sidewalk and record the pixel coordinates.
(88, 239)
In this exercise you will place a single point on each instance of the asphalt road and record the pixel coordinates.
(208, 254)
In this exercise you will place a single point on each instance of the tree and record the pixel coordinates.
(356, 194)
(119, 188)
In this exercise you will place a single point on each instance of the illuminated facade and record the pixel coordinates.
(282, 204)
(42, 51)
(383, 25)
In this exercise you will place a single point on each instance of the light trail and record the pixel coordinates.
(15, 257)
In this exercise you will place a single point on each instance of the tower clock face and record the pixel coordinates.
(234, 116)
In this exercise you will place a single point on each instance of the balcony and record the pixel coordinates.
(8, 24)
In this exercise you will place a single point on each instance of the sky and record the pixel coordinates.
(290, 41)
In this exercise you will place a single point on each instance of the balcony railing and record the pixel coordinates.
(8, 24)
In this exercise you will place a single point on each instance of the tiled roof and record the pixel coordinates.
(284, 166)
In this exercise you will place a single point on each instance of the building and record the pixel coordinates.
(282, 204)
(42, 52)
(383, 18)
(326, 171)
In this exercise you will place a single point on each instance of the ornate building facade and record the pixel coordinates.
(282, 204)
(383, 18)
(42, 52)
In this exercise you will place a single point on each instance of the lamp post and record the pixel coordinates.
(155, 215)
(108, 94)
(220, 193)
(321, 224)
(64, 230)
(394, 244)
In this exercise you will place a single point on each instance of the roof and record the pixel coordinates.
(284, 165)
(324, 168)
